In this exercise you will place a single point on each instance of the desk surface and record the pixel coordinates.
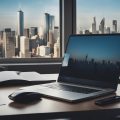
(47, 107)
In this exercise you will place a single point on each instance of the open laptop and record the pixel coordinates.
(90, 68)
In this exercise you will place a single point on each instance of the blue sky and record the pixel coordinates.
(34, 11)
(87, 9)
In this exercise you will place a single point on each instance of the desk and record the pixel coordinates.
(49, 108)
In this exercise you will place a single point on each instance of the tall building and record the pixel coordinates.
(34, 42)
(17, 42)
(20, 23)
(114, 26)
(26, 32)
(49, 25)
(57, 49)
(33, 31)
(13, 33)
(46, 26)
(8, 45)
(107, 30)
(94, 26)
(52, 22)
(1, 35)
(102, 26)
(56, 33)
(7, 30)
(24, 47)
(40, 32)
(51, 38)
(44, 51)
(17, 45)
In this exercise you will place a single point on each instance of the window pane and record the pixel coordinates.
(29, 29)
(98, 16)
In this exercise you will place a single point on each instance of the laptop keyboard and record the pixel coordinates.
(71, 88)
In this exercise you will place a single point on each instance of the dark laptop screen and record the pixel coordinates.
(92, 59)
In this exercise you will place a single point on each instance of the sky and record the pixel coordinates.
(33, 12)
(87, 9)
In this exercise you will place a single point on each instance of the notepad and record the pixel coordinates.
(25, 77)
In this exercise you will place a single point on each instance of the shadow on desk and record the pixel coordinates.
(22, 105)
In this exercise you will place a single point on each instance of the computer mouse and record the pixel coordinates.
(23, 96)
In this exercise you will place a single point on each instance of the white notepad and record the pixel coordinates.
(26, 76)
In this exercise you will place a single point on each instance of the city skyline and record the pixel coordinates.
(86, 9)
(30, 42)
(33, 12)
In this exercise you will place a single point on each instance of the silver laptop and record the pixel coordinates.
(90, 68)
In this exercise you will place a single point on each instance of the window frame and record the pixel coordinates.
(66, 29)
(67, 22)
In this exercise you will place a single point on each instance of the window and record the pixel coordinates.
(98, 16)
(29, 29)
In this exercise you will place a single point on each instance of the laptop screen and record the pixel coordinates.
(92, 60)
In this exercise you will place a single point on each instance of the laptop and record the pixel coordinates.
(90, 68)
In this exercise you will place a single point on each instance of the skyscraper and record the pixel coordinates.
(44, 51)
(107, 30)
(33, 31)
(1, 35)
(7, 30)
(94, 26)
(114, 26)
(8, 45)
(56, 33)
(46, 27)
(57, 48)
(17, 45)
(49, 25)
(40, 32)
(24, 47)
(27, 32)
(20, 24)
(102, 26)
(52, 22)
(51, 38)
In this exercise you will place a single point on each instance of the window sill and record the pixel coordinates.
(29, 60)
(44, 66)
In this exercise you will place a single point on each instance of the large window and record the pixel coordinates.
(29, 29)
(98, 16)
